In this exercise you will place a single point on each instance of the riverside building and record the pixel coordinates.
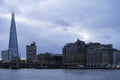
(74, 54)
(31, 52)
(13, 43)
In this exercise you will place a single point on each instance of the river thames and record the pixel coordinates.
(59, 74)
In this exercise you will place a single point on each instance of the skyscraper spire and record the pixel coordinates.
(13, 44)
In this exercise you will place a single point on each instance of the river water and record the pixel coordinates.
(59, 74)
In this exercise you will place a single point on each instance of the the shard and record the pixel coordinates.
(13, 43)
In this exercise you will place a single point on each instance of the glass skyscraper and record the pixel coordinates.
(13, 44)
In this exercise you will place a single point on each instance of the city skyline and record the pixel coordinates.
(91, 21)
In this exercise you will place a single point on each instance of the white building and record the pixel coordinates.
(116, 58)
(5, 56)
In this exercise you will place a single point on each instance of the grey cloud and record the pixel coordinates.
(1, 2)
(107, 37)
(62, 23)
(100, 18)
(3, 26)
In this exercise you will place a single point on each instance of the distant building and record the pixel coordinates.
(116, 58)
(75, 54)
(49, 58)
(31, 52)
(99, 55)
(5, 56)
(57, 59)
(13, 43)
(44, 58)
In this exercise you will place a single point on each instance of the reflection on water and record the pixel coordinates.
(59, 74)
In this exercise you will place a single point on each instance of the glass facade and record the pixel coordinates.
(13, 44)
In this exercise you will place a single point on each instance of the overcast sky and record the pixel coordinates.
(53, 23)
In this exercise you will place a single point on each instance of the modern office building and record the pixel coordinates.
(31, 52)
(13, 43)
(75, 54)
(5, 56)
